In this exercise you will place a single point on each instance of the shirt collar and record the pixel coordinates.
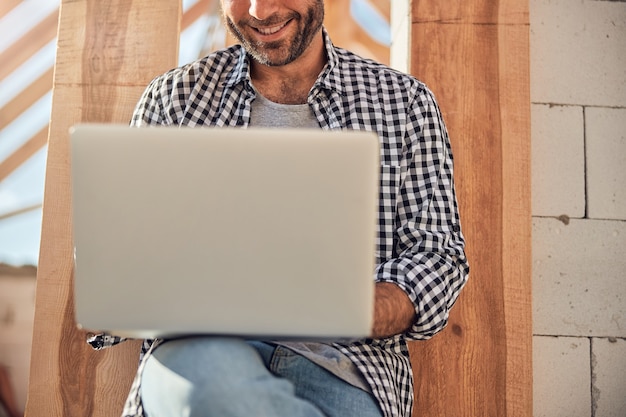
(241, 70)
(329, 78)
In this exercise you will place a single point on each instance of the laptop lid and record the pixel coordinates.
(254, 232)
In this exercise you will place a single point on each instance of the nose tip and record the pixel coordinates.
(262, 9)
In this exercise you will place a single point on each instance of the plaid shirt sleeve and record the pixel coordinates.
(419, 242)
(426, 255)
(148, 110)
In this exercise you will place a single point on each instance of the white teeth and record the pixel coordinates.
(269, 31)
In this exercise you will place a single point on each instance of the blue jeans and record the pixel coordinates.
(226, 377)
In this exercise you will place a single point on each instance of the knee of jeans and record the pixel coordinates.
(191, 373)
(203, 359)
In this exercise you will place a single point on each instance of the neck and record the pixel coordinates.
(290, 83)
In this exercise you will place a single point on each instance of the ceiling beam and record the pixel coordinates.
(25, 47)
(7, 5)
(199, 9)
(22, 210)
(23, 153)
(29, 96)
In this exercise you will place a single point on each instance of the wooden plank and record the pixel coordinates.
(24, 48)
(471, 12)
(7, 5)
(516, 204)
(36, 90)
(17, 212)
(21, 155)
(107, 53)
(196, 11)
(475, 57)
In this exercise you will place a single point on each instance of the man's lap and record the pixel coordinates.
(222, 376)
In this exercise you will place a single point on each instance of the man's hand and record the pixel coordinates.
(393, 310)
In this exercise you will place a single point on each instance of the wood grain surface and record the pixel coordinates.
(475, 57)
(107, 53)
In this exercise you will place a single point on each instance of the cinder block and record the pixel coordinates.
(579, 285)
(606, 162)
(558, 161)
(578, 52)
(561, 377)
(609, 377)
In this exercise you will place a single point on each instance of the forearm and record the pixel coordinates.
(393, 310)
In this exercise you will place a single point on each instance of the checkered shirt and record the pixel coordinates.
(419, 242)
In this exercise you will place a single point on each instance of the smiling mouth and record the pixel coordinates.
(272, 29)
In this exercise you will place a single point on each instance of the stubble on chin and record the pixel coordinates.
(262, 52)
(280, 52)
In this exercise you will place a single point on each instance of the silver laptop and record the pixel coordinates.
(253, 232)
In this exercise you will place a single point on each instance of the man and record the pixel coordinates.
(287, 73)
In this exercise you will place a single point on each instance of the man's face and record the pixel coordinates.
(274, 32)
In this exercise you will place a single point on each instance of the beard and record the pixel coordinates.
(285, 51)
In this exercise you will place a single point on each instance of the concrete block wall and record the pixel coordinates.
(578, 93)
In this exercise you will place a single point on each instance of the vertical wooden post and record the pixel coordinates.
(475, 57)
(107, 53)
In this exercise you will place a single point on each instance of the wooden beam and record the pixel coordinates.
(107, 53)
(199, 9)
(17, 212)
(24, 48)
(36, 90)
(475, 57)
(7, 5)
(23, 153)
